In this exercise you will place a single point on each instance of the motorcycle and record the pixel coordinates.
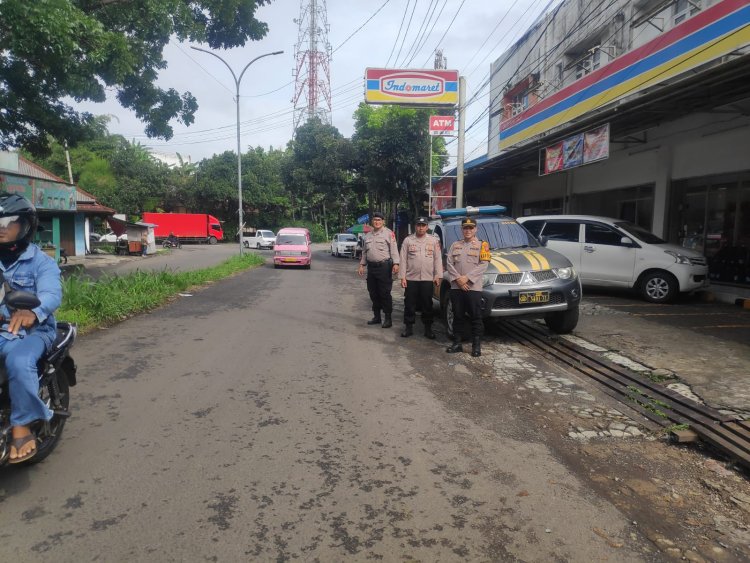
(57, 374)
(172, 243)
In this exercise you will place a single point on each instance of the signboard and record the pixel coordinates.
(590, 146)
(442, 125)
(363, 219)
(44, 194)
(596, 144)
(411, 87)
(442, 195)
(573, 151)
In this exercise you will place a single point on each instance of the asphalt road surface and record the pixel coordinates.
(261, 419)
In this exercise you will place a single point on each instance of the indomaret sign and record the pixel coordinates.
(411, 87)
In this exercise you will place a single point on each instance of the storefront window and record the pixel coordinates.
(630, 204)
(712, 216)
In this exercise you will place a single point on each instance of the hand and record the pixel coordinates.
(395, 268)
(461, 281)
(21, 318)
(361, 270)
(465, 286)
(437, 280)
(403, 283)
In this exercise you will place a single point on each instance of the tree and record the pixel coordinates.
(391, 145)
(53, 49)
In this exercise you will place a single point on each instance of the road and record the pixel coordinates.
(262, 419)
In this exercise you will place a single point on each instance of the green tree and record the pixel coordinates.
(317, 170)
(53, 49)
(391, 145)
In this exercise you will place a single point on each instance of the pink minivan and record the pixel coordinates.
(292, 248)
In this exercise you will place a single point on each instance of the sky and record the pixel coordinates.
(363, 33)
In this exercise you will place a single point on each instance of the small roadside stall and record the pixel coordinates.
(140, 237)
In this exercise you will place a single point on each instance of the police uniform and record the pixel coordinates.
(380, 254)
(421, 263)
(468, 259)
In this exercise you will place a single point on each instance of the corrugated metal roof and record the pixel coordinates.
(28, 168)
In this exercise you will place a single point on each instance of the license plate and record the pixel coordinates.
(527, 297)
(288, 259)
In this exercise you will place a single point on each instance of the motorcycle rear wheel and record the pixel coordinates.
(48, 433)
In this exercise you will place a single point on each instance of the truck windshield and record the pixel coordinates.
(215, 227)
(347, 238)
(266, 234)
(500, 234)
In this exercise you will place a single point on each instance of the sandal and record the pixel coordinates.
(18, 443)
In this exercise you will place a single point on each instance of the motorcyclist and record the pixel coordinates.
(25, 335)
(172, 239)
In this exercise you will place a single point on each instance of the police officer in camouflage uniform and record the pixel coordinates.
(380, 255)
(467, 262)
(421, 267)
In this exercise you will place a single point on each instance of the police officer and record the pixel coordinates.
(421, 267)
(380, 255)
(467, 262)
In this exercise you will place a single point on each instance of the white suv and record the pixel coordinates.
(614, 253)
(261, 239)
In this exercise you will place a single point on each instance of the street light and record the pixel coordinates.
(237, 100)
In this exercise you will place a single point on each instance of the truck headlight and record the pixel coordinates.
(679, 258)
(565, 273)
(488, 279)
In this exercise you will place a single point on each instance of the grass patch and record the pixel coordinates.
(648, 403)
(91, 304)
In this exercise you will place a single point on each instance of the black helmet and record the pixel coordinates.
(20, 209)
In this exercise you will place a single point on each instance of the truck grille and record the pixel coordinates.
(544, 275)
(509, 278)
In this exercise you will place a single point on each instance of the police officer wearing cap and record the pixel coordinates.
(380, 255)
(467, 262)
(421, 267)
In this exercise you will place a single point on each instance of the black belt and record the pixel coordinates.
(378, 264)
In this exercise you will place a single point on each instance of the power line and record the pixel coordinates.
(361, 26)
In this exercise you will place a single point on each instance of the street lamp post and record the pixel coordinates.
(237, 100)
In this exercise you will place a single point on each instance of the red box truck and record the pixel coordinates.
(188, 227)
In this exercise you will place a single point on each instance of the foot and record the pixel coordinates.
(408, 331)
(23, 446)
(387, 323)
(454, 348)
(374, 321)
(428, 332)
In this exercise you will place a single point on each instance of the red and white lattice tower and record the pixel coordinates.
(312, 56)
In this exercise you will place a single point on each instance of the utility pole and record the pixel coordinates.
(461, 141)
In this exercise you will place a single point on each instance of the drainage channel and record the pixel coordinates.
(663, 406)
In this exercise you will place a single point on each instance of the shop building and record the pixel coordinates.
(657, 94)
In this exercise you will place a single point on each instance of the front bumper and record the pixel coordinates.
(292, 260)
(501, 300)
(691, 278)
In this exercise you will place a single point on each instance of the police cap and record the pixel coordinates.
(422, 221)
(378, 215)
(468, 222)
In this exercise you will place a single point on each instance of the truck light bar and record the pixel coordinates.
(464, 211)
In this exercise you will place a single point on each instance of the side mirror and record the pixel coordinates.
(542, 240)
(626, 241)
(21, 300)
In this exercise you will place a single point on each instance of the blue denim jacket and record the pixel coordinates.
(36, 273)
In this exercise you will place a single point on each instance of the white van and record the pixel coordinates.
(261, 239)
(614, 253)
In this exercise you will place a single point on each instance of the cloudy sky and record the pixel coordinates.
(400, 34)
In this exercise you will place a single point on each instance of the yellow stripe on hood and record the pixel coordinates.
(503, 265)
(543, 262)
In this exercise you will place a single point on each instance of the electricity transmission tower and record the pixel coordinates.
(312, 56)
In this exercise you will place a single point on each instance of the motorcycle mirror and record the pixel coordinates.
(21, 300)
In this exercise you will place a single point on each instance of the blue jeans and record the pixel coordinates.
(21, 356)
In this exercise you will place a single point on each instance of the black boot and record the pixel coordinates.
(428, 331)
(476, 347)
(387, 323)
(375, 320)
(408, 331)
(455, 347)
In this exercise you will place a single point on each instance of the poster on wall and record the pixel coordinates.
(573, 151)
(596, 144)
(442, 195)
(553, 158)
(43, 193)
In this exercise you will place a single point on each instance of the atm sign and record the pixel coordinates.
(442, 124)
